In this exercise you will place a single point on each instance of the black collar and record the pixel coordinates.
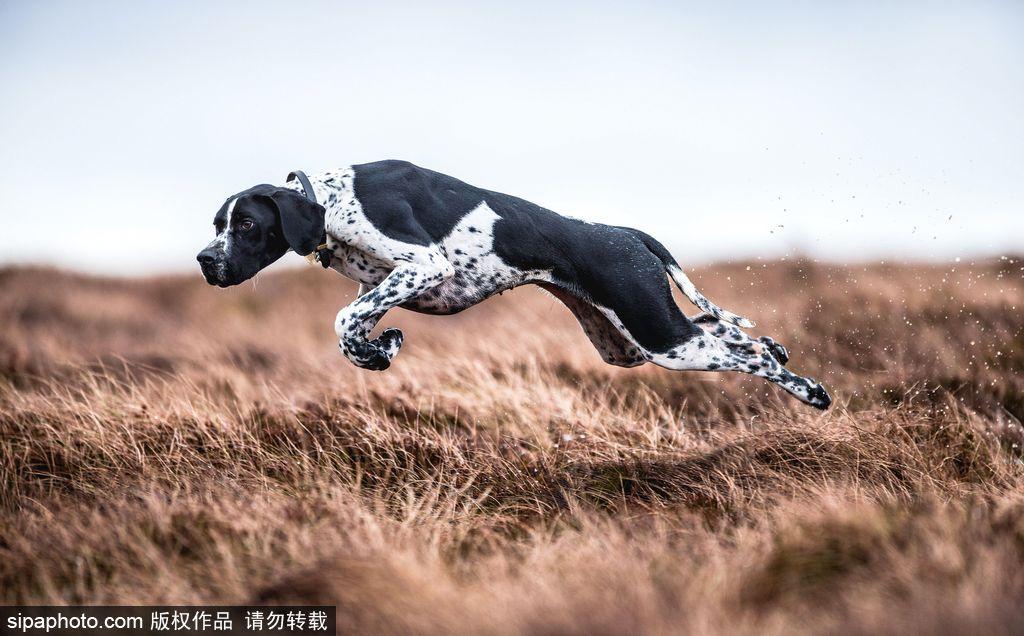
(323, 253)
(307, 187)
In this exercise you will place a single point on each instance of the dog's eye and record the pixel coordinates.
(246, 225)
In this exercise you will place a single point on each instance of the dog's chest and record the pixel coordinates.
(358, 265)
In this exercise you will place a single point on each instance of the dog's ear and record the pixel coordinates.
(302, 221)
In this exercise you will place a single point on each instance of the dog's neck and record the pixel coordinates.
(330, 187)
(335, 190)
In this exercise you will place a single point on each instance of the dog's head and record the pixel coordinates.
(255, 228)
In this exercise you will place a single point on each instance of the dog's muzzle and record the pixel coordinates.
(214, 266)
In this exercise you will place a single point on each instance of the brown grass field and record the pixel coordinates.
(162, 441)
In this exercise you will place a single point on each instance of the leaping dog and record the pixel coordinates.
(421, 240)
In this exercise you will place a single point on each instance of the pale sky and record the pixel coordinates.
(847, 131)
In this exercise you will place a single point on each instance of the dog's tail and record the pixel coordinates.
(686, 285)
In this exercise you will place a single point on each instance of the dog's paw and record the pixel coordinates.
(390, 341)
(778, 352)
(366, 355)
(818, 397)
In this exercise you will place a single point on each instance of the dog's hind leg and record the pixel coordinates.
(635, 297)
(705, 352)
(702, 351)
(731, 333)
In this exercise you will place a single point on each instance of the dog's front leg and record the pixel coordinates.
(354, 322)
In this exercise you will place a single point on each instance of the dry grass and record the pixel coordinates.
(163, 441)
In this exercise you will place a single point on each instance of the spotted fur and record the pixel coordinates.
(423, 241)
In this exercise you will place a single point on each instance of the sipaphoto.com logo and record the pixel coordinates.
(182, 620)
(71, 622)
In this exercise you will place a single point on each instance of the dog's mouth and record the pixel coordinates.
(216, 274)
(220, 274)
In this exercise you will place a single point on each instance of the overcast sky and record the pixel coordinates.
(850, 131)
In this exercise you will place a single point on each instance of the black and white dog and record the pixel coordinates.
(421, 240)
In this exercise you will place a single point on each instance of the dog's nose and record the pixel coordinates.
(206, 258)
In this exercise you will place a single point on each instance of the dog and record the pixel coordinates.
(424, 241)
